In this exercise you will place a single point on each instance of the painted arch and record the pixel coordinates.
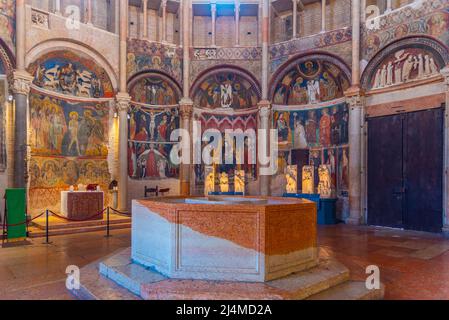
(154, 88)
(225, 88)
(71, 73)
(310, 79)
(407, 60)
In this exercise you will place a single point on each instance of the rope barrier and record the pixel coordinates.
(120, 212)
(78, 220)
(48, 212)
(25, 222)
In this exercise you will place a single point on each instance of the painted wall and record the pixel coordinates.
(7, 23)
(70, 121)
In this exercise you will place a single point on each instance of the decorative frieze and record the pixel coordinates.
(39, 19)
(244, 53)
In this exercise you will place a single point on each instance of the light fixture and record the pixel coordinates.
(10, 98)
(115, 114)
(128, 116)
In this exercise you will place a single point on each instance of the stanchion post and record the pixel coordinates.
(107, 222)
(46, 228)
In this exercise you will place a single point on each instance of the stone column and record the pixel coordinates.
(145, 19)
(356, 103)
(122, 103)
(265, 105)
(363, 11)
(164, 20)
(213, 11)
(186, 111)
(264, 124)
(295, 18)
(323, 15)
(237, 22)
(21, 89)
(445, 73)
(265, 39)
(186, 104)
(389, 6)
(57, 4)
(89, 12)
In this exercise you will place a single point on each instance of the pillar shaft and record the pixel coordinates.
(57, 8)
(89, 12)
(123, 100)
(295, 18)
(145, 18)
(164, 20)
(323, 15)
(213, 11)
(264, 125)
(355, 42)
(265, 36)
(21, 88)
(445, 73)
(237, 23)
(186, 111)
(389, 6)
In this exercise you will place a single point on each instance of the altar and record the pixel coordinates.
(80, 205)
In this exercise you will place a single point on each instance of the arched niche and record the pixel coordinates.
(72, 73)
(310, 79)
(154, 88)
(225, 88)
(406, 61)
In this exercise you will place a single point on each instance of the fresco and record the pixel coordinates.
(322, 131)
(68, 73)
(226, 90)
(429, 18)
(7, 23)
(51, 175)
(311, 82)
(149, 143)
(322, 127)
(2, 67)
(406, 65)
(3, 95)
(63, 128)
(221, 123)
(154, 90)
(144, 55)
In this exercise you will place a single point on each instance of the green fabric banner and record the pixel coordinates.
(16, 210)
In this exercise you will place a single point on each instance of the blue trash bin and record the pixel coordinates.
(326, 208)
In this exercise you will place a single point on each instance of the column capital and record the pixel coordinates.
(355, 96)
(122, 100)
(22, 81)
(264, 107)
(186, 108)
(445, 73)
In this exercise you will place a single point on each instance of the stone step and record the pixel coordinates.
(299, 286)
(82, 229)
(350, 290)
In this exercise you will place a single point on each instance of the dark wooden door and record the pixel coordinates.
(405, 170)
(423, 170)
(385, 172)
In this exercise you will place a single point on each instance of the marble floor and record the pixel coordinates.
(413, 265)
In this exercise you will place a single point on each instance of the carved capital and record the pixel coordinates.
(22, 81)
(264, 107)
(122, 102)
(445, 73)
(186, 111)
(355, 97)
